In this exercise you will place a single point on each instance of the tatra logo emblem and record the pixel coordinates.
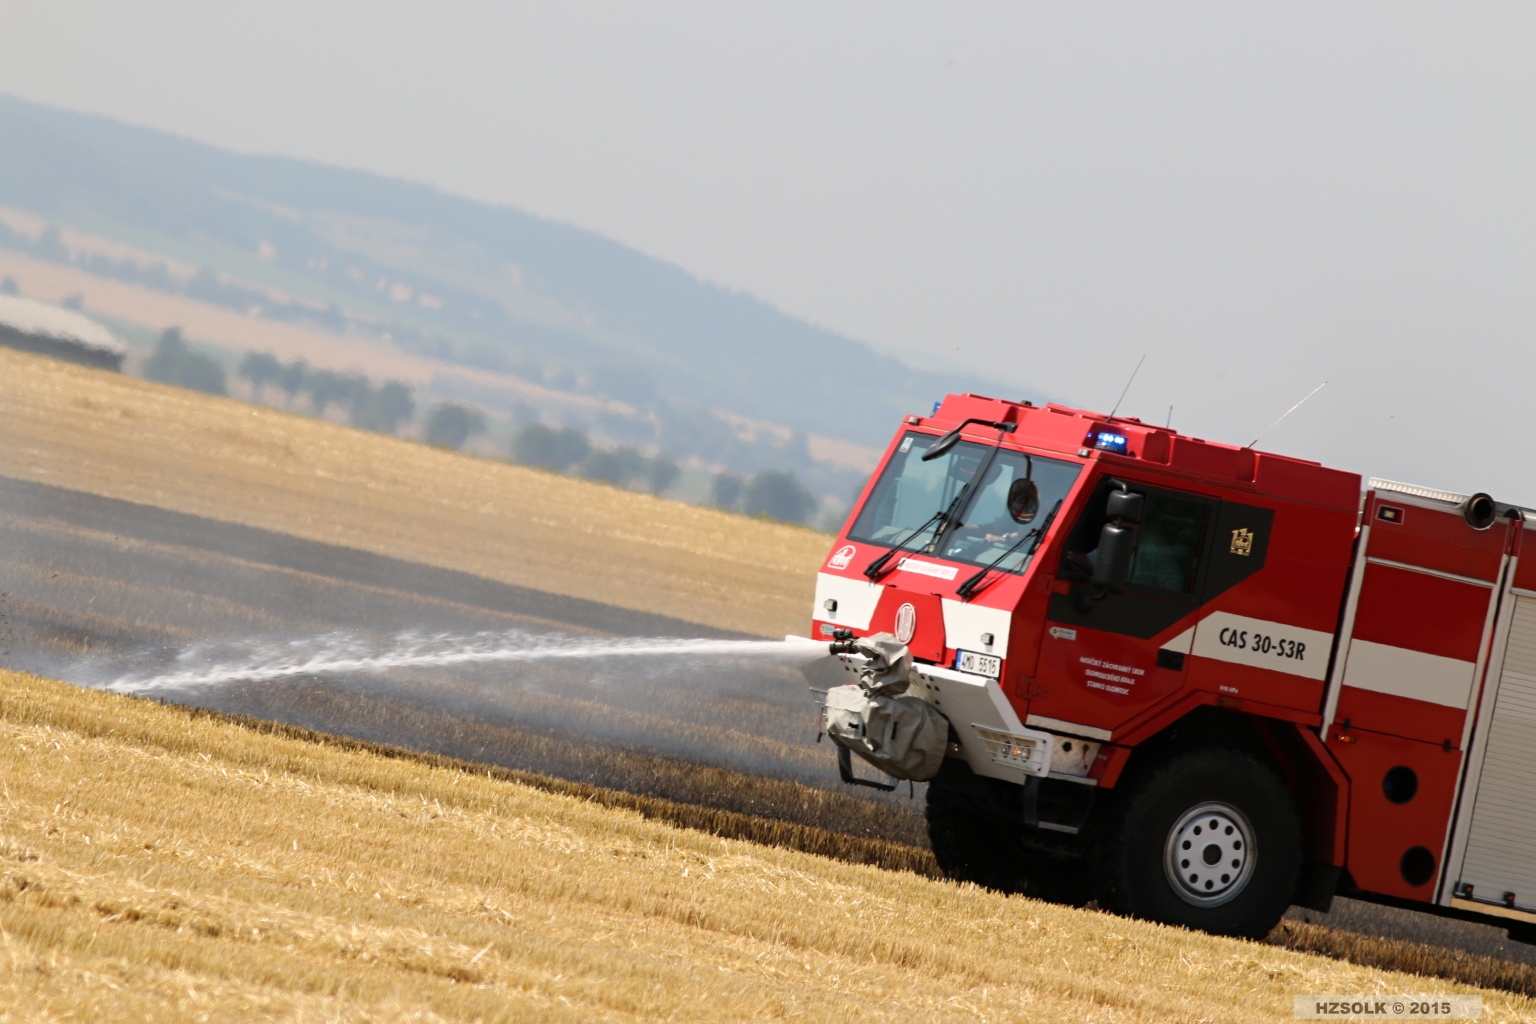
(906, 623)
(843, 556)
(1242, 541)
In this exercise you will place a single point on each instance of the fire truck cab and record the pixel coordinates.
(1196, 682)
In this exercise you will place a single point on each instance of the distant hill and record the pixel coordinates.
(477, 285)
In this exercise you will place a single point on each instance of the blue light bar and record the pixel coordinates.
(1105, 441)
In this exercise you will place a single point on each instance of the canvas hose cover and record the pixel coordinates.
(889, 668)
(905, 737)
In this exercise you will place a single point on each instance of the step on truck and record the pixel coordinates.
(1194, 682)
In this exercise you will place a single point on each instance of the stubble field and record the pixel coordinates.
(159, 865)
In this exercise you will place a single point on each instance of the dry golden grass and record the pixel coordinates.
(794, 826)
(177, 449)
(160, 865)
(1412, 957)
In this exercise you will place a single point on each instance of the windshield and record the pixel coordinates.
(989, 527)
(910, 491)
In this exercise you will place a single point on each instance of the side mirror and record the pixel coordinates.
(1117, 541)
(1023, 501)
(1125, 506)
(1112, 567)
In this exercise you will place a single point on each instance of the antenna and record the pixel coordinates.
(1287, 412)
(1169, 424)
(1127, 388)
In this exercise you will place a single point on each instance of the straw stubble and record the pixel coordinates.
(157, 864)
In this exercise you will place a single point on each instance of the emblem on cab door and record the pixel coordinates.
(843, 556)
(1242, 541)
(906, 623)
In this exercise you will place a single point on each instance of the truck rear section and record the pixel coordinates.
(1197, 683)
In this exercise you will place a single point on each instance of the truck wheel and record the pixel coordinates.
(970, 847)
(1207, 840)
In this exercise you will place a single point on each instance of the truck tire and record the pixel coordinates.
(970, 847)
(1207, 839)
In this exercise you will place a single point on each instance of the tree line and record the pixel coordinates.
(566, 449)
(383, 408)
(776, 494)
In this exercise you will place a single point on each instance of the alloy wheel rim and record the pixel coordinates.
(1209, 854)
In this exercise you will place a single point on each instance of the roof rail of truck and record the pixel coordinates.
(1378, 484)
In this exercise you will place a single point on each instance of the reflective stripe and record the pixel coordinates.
(964, 624)
(1260, 643)
(856, 600)
(1091, 732)
(1181, 644)
(1412, 674)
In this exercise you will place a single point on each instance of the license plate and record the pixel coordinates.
(979, 664)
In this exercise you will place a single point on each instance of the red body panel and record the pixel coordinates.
(1435, 540)
(1391, 715)
(1381, 832)
(926, 642)
(1101, 679)
(1420, 612)
(1323, 792)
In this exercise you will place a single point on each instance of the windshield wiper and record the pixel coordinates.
(942, 518)
(874, 570)
(968, 589)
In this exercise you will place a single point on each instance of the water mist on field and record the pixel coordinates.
(172, 607)
(736, 704)
(211, 664)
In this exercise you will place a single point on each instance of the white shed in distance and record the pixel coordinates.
(34, 326)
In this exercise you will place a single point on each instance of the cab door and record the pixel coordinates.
(1102, 659)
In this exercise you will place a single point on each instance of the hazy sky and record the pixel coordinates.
(1256, 197)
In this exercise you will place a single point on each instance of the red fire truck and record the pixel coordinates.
(1196, 682)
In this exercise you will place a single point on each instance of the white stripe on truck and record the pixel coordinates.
(856, 600)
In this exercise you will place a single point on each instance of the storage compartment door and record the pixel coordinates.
(1501, 841)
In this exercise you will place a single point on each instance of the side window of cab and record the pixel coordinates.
(1169, 539)
(1169, 542)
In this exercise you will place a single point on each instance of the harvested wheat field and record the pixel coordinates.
(176, 449)
(160, 865)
